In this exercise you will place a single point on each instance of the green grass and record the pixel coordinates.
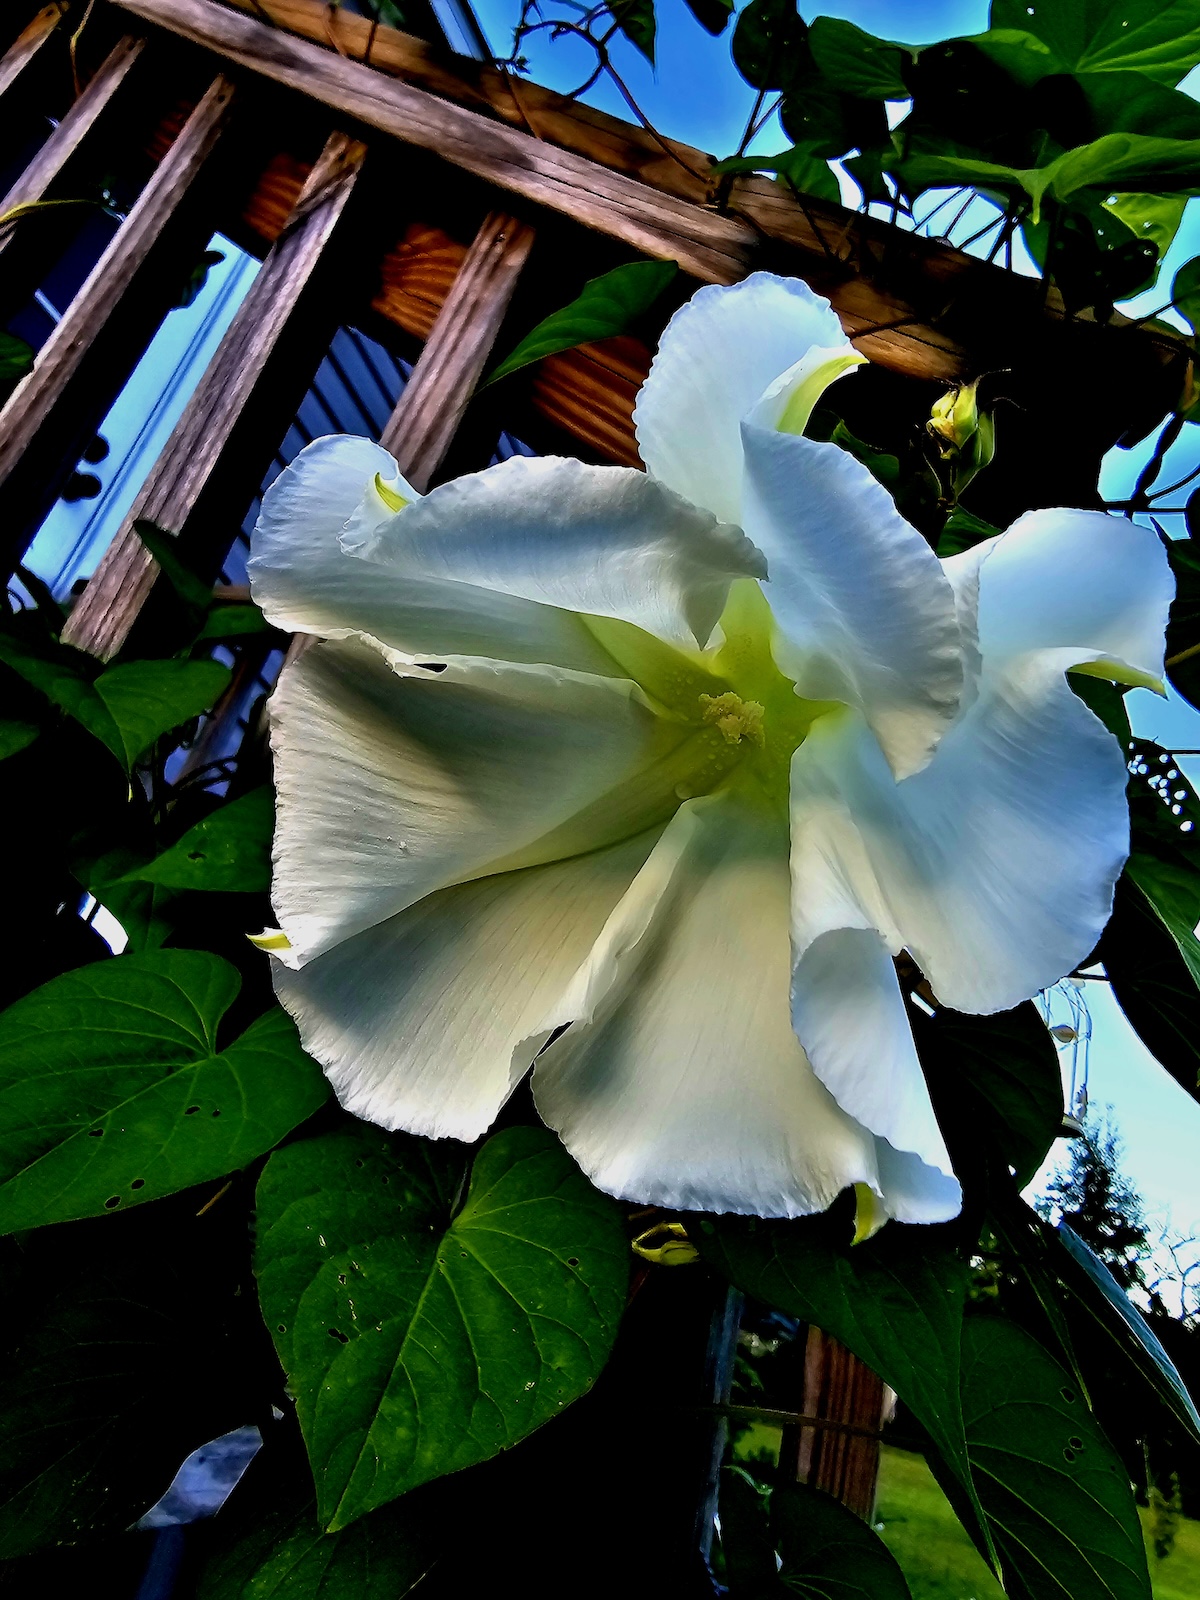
(915, 1521)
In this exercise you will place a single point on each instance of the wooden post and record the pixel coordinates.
(715, 248)
(31, 403)
(70, 132)
(844, 1462)
(27, 44)
(422, 427)
(106, 611)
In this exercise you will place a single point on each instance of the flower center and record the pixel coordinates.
(745, 717)
(734, 718)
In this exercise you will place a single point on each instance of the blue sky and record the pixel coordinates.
(696, 94)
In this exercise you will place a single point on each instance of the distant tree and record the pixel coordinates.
(1099, 1202)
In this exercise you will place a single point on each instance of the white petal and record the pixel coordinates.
(1098, 585)
(308, 581)
(865, 612)
(604, 540)
(848, 1009)
(994, 866)
(717, 356)
(393, 781)
(429, 1020)
(680, 1082)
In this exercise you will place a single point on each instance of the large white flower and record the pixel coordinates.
(647, 777)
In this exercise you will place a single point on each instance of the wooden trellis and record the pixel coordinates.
(433, 199)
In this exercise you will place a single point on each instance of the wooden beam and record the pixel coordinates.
(895, 315)
(70, 132)
(106, 611)
(39, 392)
(422, 427)
(714, 248)
(27, 44)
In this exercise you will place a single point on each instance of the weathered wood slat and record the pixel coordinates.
(27, 44)
(834, 248)
(715, 248)
(109, 605)
(422, 427)
(71, 131)
(35, 397)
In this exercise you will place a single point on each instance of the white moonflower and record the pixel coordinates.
(643, 779)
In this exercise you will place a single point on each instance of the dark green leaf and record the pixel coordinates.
(770, 44)
(895, 1301)
(712, 15)
(417, 1339)
(16, 736)
(1185, 291)
(1105, 701)
(1153, 986)
(145, 911)
(751, 1570)
(1093, 1287)
(225, 621)
(635, 18)
(114, 1090)
(266, 1544)
(803, 171)
(126, 707)
(1056, 1493)
(16, 359)
(1183, 623)
(994, 1080)
(146, 699)
(792, 1540)
(116, 1367)
(963, 530)
(827, 1553)
(198, 278)
(1157, 37)
(164, 547)
(229, 851)
(857, 62)
(1153, 218)
(608, 305)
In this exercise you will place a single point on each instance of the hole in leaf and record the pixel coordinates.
(358, 1161)
(281, 1327)
(1067, 1394)
(336, 1333)
(385, 1179)
(1068, 1455)
(195, 855)
(572, 1261)
(112, 1201)
(217, 1112)
(1076, 1444)
(341, 1277)
(191, 1111)
(138, 1183)
(95, 1133)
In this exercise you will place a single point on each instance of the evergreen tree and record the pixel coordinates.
(1099, 1202)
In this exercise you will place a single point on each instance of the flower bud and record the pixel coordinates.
(965, 436)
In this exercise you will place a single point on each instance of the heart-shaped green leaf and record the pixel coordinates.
(1056, 1494)
(228, 851)
(1158, 37)
(113, 1090)
(126, 707)
(417, 1338)
(857, 62)
(608, 305)
(793, 1540)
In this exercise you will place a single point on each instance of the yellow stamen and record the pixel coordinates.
(734, 718)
